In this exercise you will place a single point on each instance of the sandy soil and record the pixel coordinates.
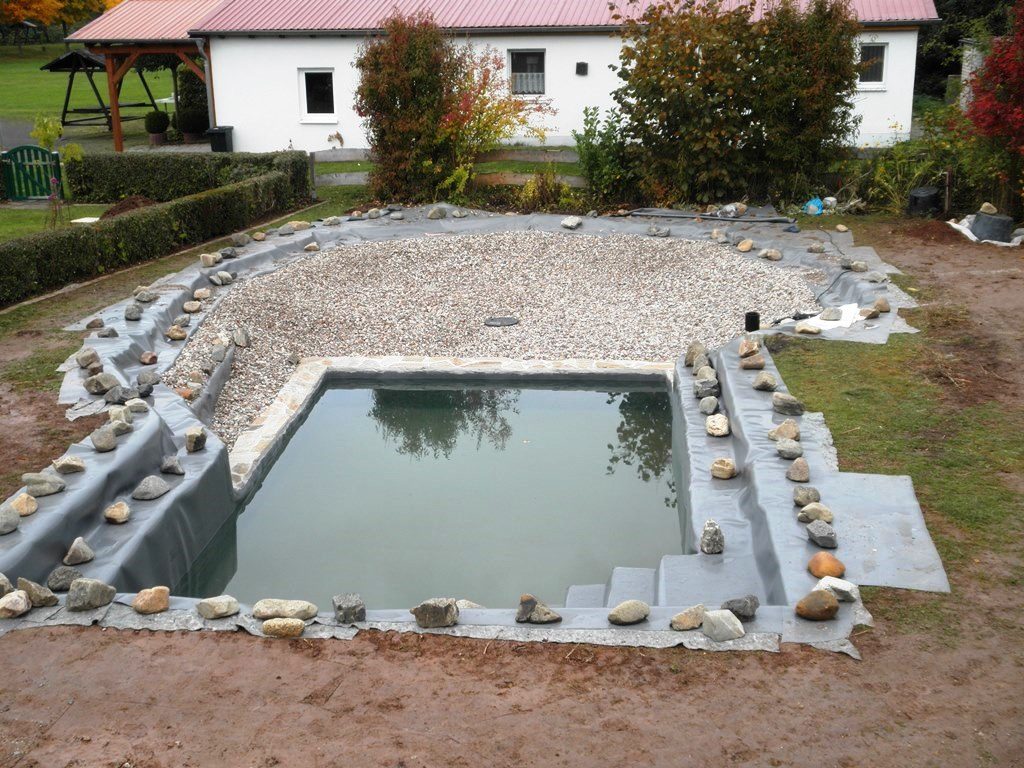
(74, 697)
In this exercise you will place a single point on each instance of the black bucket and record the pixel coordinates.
(924, 201)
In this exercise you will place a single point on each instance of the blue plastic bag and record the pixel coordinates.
(814, 206)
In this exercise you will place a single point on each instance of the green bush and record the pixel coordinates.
(193, 121)
(603, 157)
(51, 259)
(106, 177)
(157, 121)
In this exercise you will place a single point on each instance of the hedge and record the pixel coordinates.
(106, 177)
(51, 259)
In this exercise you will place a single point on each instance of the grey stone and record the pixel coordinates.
(147, 378)
(87, 594)
(814, 511)
(79, 552)
(799, 471)
(844, 591)
(743, 608)
(374, 213)
(133, 312)
(226, 278)
(723, 468)
(171, 465)
(38, 595)
(145, 297)
(571, 222)
(272, 608)
(831, 314)
(706, 388)
(60, 578)
(94, 370)
(120, 427)
(436, 612)
(787, 430)
(398, 216)
(765, 382)
(104, 439)
(534, 611)
(689, 619)
(120, 413)
(816, 248)
(705, 372)
(349, 608)
(9, 519)
(805, 494)
(692, 352)
(240, 337)
(708, 405)
(699, 362)
(118, 513)
(859, 266)
(40, 484)
(629, 612)
(195, 439)
(721, 626)
(437, 212)
(239, 240)
(68, 464)
(229, 253)
(182, 321)
(284, 230)
(100, 383)
(786, 404)
(107, 333)
(655, 231)
(86, 356)
(219, 607)
(5, 585)
(332, 221)
(771, 254)
(717, 425)
(136, 405)
(789, 449)
(151, 487)
(93, 324)
(712, 540)
(822, 534)
(218, 352)
(120, 395)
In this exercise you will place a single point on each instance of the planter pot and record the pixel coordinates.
(192, 138)
(156, 139)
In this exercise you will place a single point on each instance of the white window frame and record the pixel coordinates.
(876, 85)
(544, 73)
(316, 118)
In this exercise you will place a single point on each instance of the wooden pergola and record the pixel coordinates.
(88, 63)
(120, 59)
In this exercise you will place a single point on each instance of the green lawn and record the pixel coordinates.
(498, 166)
(15, 222)
(26, 90)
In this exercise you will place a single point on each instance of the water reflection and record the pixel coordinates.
(429, 422)
(645, 437)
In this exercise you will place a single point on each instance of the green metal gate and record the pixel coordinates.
(27, 171)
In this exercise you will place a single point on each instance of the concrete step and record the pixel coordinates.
(631, 584)
(585, 596)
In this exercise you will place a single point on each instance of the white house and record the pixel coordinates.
(282, 73)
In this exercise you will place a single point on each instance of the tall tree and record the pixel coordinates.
(40, 11)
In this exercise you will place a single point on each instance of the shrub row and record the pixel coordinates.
(54, 258)
(106, 177)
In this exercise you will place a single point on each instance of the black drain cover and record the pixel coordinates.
(501, 322)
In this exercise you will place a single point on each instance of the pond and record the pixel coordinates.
(402, 492)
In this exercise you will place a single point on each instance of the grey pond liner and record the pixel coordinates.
(883, 538)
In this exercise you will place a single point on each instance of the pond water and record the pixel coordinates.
(406, 492)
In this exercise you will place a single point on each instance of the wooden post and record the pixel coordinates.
(115, 101)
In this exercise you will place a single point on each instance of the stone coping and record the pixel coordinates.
(265, 437)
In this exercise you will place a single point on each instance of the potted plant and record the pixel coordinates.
(156, 126)
(193, 124)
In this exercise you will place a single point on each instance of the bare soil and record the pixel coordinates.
(90, 697)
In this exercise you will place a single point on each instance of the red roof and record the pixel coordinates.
(155, 20)
(146, 21)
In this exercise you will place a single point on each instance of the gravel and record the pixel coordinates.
(576, 296)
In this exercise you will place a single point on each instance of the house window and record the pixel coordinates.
(317, 88)
(527, 68)
(872, 63)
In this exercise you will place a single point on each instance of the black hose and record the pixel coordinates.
(663, 214)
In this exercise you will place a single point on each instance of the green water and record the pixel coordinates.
(406, 493)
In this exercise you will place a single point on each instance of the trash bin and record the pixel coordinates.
(220, 138)
(924, 201)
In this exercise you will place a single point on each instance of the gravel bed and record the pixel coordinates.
(577, 296)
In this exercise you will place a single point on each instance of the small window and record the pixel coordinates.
(527, 69)
(872, 63)
(318, 92)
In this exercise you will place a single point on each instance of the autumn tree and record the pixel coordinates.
(39, 11)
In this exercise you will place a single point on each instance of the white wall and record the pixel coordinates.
(257, 87)
(886, 108)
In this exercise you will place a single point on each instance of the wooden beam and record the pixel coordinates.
(192, 65)
(115, 98)
(123, 69)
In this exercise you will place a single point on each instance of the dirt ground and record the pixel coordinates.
(91, 697)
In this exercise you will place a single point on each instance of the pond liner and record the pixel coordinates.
(166, 535)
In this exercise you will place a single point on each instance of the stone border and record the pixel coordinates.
(264, 439)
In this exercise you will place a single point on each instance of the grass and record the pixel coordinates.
(896, 409)
(26, 90)
(497, 166)
(16, 222)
